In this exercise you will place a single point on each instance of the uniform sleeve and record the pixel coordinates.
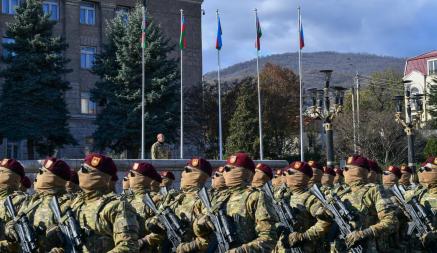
(153, 151)
(385, 209)
(125, 228)
(321, 227)
(261, 209)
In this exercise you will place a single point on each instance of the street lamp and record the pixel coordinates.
(321, 109)
(410, 122)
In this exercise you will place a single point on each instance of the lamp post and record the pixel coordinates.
(322, 109)
(410, 122)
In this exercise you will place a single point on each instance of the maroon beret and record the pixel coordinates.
(330, 171)
(303, 167)
(14, 166)
(431, 162)
(100, 162)
(74, 178)
(241, 160)
(266, 169)
(358, 161)
(314, 165)
(147, 170)
(168, 174)
(25, 182)
(58, 167)
(278, 173)
(200, 164)
(405, 168)
(373, 165)
(395, 170)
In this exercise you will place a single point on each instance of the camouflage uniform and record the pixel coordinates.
(109, 222)
(18, 198)
(253, 217)
(372, 208)
(160, 150)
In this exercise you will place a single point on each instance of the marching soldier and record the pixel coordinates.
(250, 211)
(375, 173)
(327, 180)
(313, 221)
(167, 182)
(405, 180)
(109, 220)
(11, 173)
(427, 198)
(218, 184)
(317, 174)
(339, 178)
(373, 210)
(49, 182)
(277, 179)
(263, 174)
(398, 241)
(160, 150)
(186, 203)
(140, 178)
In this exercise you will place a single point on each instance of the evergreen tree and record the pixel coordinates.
(32, 101)
(243, 128)
(119, 66)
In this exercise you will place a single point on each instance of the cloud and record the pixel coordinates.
(385, 27)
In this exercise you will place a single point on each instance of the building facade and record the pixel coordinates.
(82, 23)
(421, 70)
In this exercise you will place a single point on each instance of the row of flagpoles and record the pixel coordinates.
(219, 45)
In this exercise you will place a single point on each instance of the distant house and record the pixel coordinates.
(422, 71)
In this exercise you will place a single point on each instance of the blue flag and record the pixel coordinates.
(218, 42)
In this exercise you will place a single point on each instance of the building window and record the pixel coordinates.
(7, 53)
(87, 13)
(432, 67)
(87, 56)
(86, 105)
(123, 12)
(9, 6)
(51, 7)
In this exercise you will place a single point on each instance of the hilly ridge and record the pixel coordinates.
(345, 65)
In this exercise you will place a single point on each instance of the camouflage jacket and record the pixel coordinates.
(372, 208)
(110, 223)
(312, 219)
(160, 151)
(40, 215)
(18, 198)
(252, 216)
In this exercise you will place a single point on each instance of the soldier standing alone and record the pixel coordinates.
(160, 150)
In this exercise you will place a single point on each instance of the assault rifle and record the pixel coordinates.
(284, 212)
(342, 216)
(69, 226)
(25, 231)
(169, 220)
(419, 219)
(226, 236)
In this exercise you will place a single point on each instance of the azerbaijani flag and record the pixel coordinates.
(301, 37)
(183, 39)
(259, 34)
(143, 28)
(218, 42)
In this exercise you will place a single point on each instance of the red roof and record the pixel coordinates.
(419, 63)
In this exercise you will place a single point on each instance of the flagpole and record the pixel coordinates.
(261, 151)
(143, 81)
(219, 98)
(182, 94)
(302, 155)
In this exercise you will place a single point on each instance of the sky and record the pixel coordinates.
(400, 28)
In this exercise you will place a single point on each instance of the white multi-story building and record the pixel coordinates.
(421, 70)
